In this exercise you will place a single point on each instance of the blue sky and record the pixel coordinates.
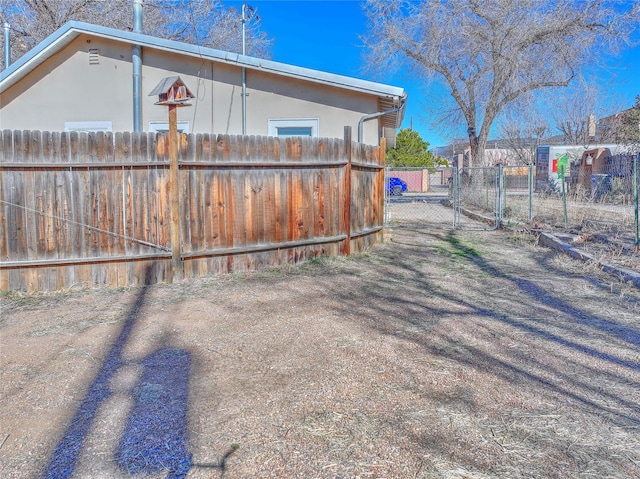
(324, 35)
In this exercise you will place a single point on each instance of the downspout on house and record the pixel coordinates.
(136, 62)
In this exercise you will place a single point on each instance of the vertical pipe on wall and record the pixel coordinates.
(371, 116)
(244, 70)
(136, 61)
(7, 45)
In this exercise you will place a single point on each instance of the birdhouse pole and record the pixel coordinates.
(174, 195)
(172, 92)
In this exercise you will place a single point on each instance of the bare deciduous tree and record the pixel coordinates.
(208, 22)
(522, 129)
(624, 127)
(570, 114)
(202, 22)
(491, 52)
(31, 21)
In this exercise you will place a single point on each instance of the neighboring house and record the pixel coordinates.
(508, 156)
(81, 78)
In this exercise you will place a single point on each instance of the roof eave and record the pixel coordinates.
(71, 30)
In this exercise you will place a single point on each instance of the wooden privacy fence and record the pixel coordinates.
(93, 209)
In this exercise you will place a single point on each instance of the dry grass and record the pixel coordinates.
(437, 355)
(604, 231)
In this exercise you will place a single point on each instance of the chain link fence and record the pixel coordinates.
(585, 201)
(434, 197)
(594, 201)
(582, 201)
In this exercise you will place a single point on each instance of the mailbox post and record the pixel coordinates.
(172, 92)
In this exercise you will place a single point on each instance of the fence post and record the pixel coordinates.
(455, 194)
(531, 189)
(562, 169)
(501, 196)
(382, 182)
(174, 192)
(347, 190)
(635, 199)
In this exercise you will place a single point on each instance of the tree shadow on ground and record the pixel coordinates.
(554, 321)
(154, 438)
(574, 358)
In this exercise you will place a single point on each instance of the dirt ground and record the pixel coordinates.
(435, 355)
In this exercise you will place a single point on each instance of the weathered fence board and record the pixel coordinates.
(90, 210)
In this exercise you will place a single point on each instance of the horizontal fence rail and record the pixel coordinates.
(93, 209)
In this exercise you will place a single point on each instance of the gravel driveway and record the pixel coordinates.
(435, 355)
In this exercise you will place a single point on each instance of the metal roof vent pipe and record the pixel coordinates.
(7, 45)
(136, 61)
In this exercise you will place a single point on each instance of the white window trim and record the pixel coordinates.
(275, 123)
(155, 126)
(88, 126)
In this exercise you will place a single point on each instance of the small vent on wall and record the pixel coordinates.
(94, 56)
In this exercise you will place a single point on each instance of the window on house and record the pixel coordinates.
(294, 131)
(163, 127)
(88, 126)
(294, 127)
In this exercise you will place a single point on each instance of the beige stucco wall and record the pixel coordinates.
(67, 88)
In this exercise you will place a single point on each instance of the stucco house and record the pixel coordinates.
(84, 77)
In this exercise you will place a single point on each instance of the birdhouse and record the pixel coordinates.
(172, 91)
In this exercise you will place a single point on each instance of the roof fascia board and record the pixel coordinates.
(37, 55)
(73, 29)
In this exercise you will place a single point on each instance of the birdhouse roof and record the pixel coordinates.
(166, 83)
